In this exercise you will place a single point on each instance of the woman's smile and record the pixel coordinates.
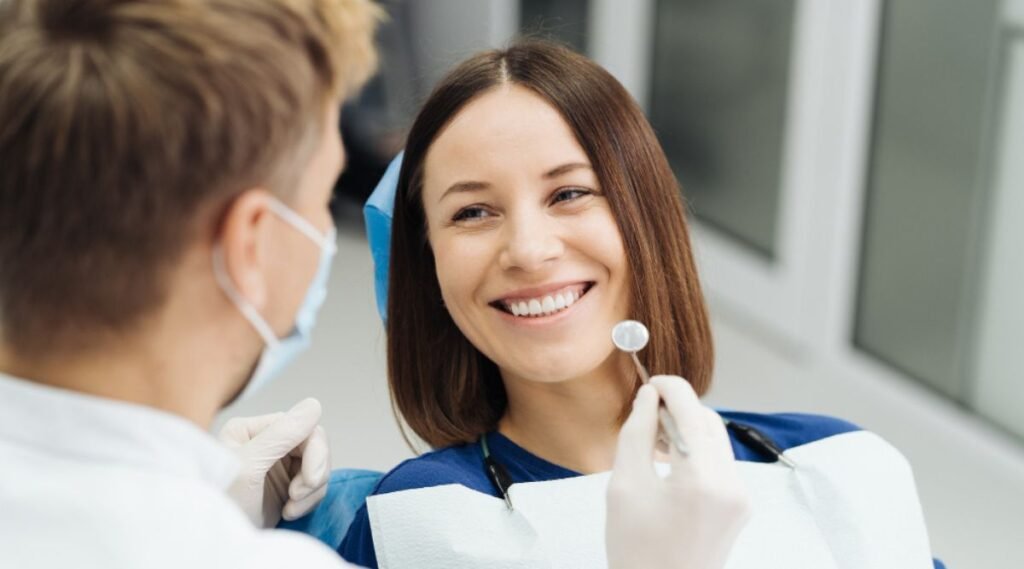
(541, 303)
(528, 255)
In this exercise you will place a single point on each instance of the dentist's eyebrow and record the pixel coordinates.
(565, 169)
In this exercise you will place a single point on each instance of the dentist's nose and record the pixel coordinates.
(531, 242)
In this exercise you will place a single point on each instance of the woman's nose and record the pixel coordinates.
(530, 243)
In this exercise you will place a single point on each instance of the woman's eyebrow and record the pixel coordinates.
(460, 187)
(565, 169)
(474, 186)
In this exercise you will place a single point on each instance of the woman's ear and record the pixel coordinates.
(243, 240)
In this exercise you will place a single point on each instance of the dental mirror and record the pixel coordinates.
(631, 336)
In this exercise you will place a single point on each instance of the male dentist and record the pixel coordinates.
(165, 242)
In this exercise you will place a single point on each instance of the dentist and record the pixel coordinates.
(165, 243)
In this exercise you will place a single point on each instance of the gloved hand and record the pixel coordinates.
(286, 463)
(690, 519)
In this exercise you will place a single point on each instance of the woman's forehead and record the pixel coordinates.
(507, 129)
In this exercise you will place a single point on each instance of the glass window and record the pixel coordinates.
(718, 102)
(927, 182)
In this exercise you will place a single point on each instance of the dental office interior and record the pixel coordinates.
(855, 177)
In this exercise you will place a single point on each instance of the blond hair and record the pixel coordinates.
(122, 120)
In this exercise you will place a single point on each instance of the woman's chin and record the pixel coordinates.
(555, 372)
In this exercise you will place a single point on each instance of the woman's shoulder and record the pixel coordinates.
(459, 464)
(786, 430)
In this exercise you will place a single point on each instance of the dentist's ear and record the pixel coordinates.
(243, 237)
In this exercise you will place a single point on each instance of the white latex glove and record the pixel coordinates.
(286, 463)
(689, 519)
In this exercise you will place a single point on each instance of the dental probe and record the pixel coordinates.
(631, 336)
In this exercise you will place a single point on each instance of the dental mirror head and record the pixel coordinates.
(630, 336)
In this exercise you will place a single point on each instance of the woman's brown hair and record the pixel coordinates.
(444, 388)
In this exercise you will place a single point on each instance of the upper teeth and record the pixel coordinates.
(544, 305)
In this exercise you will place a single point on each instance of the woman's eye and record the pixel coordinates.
(569, 194)
(470, 213)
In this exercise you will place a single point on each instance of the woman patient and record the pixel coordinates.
(535, 209)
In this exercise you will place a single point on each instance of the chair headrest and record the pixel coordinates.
(378, 212)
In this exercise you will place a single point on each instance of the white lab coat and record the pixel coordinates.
(87, 482)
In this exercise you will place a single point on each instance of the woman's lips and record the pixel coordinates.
(553, 302)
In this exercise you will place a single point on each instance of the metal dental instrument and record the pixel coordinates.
(497, 472)
(758, 440)
(631, 336)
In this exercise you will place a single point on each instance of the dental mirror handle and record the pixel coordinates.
(644, 376)
(669, 429)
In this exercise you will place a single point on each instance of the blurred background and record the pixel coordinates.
(855, 171)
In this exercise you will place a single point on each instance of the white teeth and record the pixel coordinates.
(545, 306)
(548, 304)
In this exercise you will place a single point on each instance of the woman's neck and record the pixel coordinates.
(573, 423)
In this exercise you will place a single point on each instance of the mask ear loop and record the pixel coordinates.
(325, 242)
(244, 306)
(302, 224)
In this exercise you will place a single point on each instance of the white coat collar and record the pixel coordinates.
(83, 428)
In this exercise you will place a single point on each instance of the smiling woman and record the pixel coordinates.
(549, 213)
(530, 262)
(535, 210)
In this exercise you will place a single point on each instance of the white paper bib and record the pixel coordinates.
(851, 504)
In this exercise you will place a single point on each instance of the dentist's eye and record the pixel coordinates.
(569, 194)
(471, 213)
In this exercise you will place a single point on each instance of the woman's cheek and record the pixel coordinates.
(458, 262)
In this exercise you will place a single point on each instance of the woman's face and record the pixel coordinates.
(529, 258)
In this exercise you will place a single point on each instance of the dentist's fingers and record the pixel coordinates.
(316, 458)
(637, 438)
(691, 517)
(298, 489)
(295, 509)
(314, 468)
(290, 430)
(309, 485)
(699, 427)
(683, 404)
(240, 430)
(718, 434)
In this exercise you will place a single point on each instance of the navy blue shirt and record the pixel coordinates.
(464, 464)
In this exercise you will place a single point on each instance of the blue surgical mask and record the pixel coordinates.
(279, 352)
